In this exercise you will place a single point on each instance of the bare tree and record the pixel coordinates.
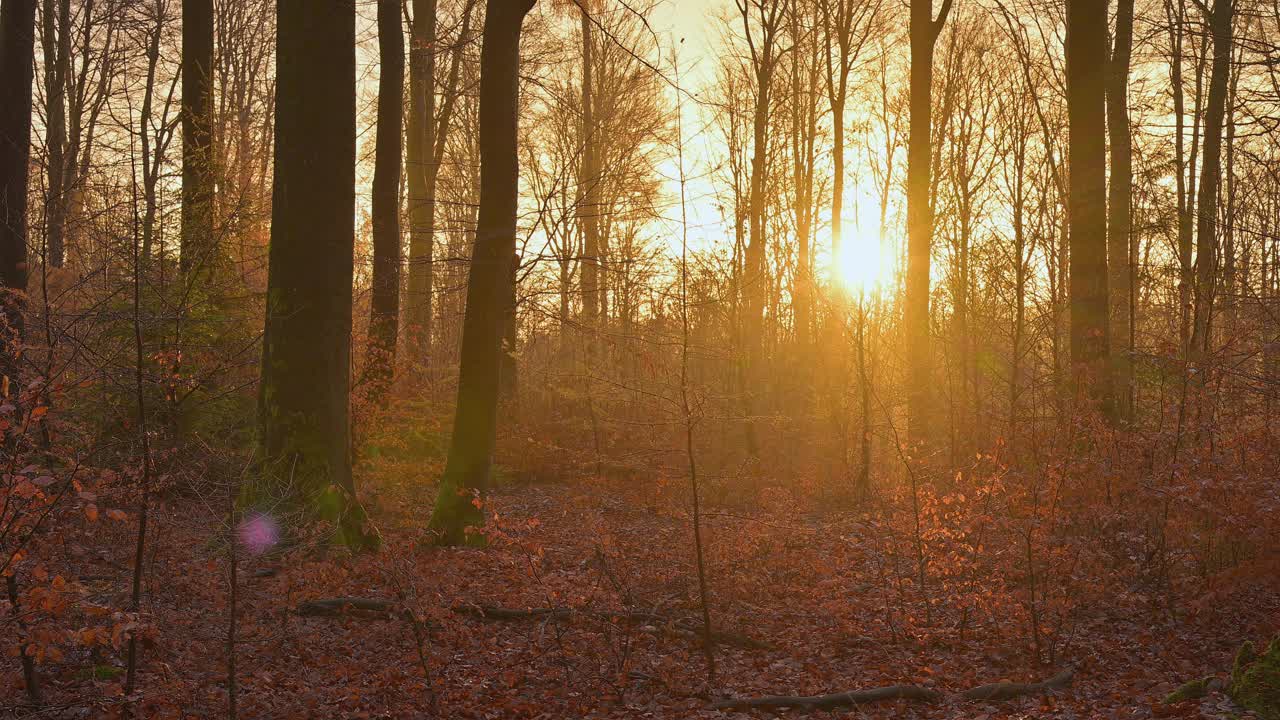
(762, 25)
(1120, 210)
(925, 29)
(1087, 198)
(846, 25)
(428, 136)
(384, 305)
(197, 157)
(1220, 26)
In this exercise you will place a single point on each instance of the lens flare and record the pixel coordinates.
(258, 533)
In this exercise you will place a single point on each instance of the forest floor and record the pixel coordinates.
(811, 587)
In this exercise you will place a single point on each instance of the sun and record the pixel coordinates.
(861, 266)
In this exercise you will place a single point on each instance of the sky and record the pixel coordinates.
(692, 20)
(699, 23)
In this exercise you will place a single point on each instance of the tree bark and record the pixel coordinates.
(1087, 199)
(1220, 25)
(428, 137)
(466, 476)
(510, 371)
(304, 406)
(804, 132)
(56, 18)
(196, 251)
(17, 45)
(421, 145)
(589, 207)
(1120, 210)
(384, 305)
(755, 286)
(924, 34)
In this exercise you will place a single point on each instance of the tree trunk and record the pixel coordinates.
(756, 284)
(422, 205)
(427, 140)
(1120, 210)
(804, 131)
(863, 485)
(151, 158)
(1179, 158)
(1220, 25)
(305, 431)
(1020, 303)
(1231, 272)
(384, 305)
(1087, 199)
(509, 372)
(1185, 163)
(589, 191)
(756, 279)
(837, 183)
(17, 45)
(57, 51)
(924, 34)
(466, 475)
(196, 249)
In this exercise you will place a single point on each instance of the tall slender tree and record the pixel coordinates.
(1185, 159)
(427, 138)
(846, 25)
(762, 25)
(196, 249)
(459, 502)
(1221, 25)
(304, 406)
(1120, 210)
(56, 44)
(384, 305)
(925, 29)
(806, 62)
(589, 207)
(1087, 197)
(17, 43)
(421, 169)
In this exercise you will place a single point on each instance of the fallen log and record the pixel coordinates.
(335, 607)
(989, 692)
(683, 625)
(1010, 690)
(832, 701)
(486, 612)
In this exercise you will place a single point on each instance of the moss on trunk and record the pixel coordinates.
(1190, 690)
(1255, 680)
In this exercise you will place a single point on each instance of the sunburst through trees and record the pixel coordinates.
(945, 331)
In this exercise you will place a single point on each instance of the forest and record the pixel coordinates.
(640, 359)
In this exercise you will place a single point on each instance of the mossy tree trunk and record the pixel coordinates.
(459, 503)
(1255, 680)
(304, 405)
